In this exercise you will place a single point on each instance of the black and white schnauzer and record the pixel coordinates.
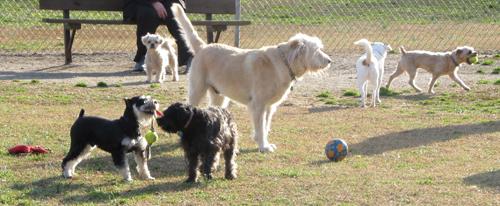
(205, 133)
(117, 137)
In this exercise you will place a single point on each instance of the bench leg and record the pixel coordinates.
(69, 37)
(67, 47)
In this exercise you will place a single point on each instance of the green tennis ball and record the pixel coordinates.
(151, 137)
(473, 59)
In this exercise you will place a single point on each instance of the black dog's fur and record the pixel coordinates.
(109, 135)
(209, 132)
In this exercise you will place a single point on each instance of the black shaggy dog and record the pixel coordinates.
(117, 137)
(204, 134)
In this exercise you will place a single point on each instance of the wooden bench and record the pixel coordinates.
(207, 7)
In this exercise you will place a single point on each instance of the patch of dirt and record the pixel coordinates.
(115, 69)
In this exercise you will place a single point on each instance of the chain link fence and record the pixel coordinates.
(417, 24)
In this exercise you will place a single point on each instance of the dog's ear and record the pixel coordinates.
(459, 51)
(126, 100)
(296, 43)
(144, 39)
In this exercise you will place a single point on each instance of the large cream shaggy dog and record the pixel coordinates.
(258, 78)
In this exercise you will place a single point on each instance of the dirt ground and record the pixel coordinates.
(115, 69)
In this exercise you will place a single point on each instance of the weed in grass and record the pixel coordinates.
(20, 90)
(387, 92)
(425, 181)
(453, 85)
(324, 94)
(154, 85)
(487, 62)
(483, 81)
(119, 84)
(497, 82)
(81, 84)
(16, 80)
(102, 84)
(351, 93)
(480, 71)
(496, 71)
(35, 81)
(497, 55)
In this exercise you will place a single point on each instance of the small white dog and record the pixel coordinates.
(258, 78)
(160, 55)
(370, 67)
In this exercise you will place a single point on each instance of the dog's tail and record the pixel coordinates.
(368, 49)
(194, 42)
(402, 49)
(82, 112)
(167, 44)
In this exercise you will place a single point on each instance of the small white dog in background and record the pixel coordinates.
(370, 67)
(160, 55)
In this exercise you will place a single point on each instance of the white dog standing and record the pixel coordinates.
(370, 67)
(257, 78)
(160, 55)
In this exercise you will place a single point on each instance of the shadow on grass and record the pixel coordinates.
(418, 137)
(159, 166)
(329, 108)
(485, 180)
(11, 75)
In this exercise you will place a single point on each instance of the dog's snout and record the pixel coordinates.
(152, 46)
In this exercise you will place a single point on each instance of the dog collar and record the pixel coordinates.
(189, 120)
(454, 61)
(287, 64)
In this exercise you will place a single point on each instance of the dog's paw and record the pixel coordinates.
(467, 88)
(128, 179)
(149, 178)
(268, 148)
(379, 101)
(190, 180)
(230, 176)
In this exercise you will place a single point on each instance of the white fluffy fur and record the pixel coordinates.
(257, 78)
(370, 68)
(159, 56)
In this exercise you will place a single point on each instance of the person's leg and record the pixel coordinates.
(183, 53)
(147, 21)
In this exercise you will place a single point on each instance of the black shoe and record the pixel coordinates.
(139, 67)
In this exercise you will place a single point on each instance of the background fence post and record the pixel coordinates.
(237, 28)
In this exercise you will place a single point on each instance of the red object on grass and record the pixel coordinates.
(18, 149)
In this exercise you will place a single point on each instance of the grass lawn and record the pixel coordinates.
(415, 149)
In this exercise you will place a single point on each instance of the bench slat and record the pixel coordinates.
(84, 5)
(211, 6)
(119, 22)
(193, 6)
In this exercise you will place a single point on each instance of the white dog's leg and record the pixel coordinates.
(432, 83)
(374, 94)
(455, 78)
(69, 169)
(361, 86)
(376, 87)
(149, 72)
(174, 68)
(142, 165)
(269, 115)
(258, 117)
(379, 81)
(159, 76)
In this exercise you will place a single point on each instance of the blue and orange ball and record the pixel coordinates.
(336, 150)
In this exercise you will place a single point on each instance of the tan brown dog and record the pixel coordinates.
(437, 63)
